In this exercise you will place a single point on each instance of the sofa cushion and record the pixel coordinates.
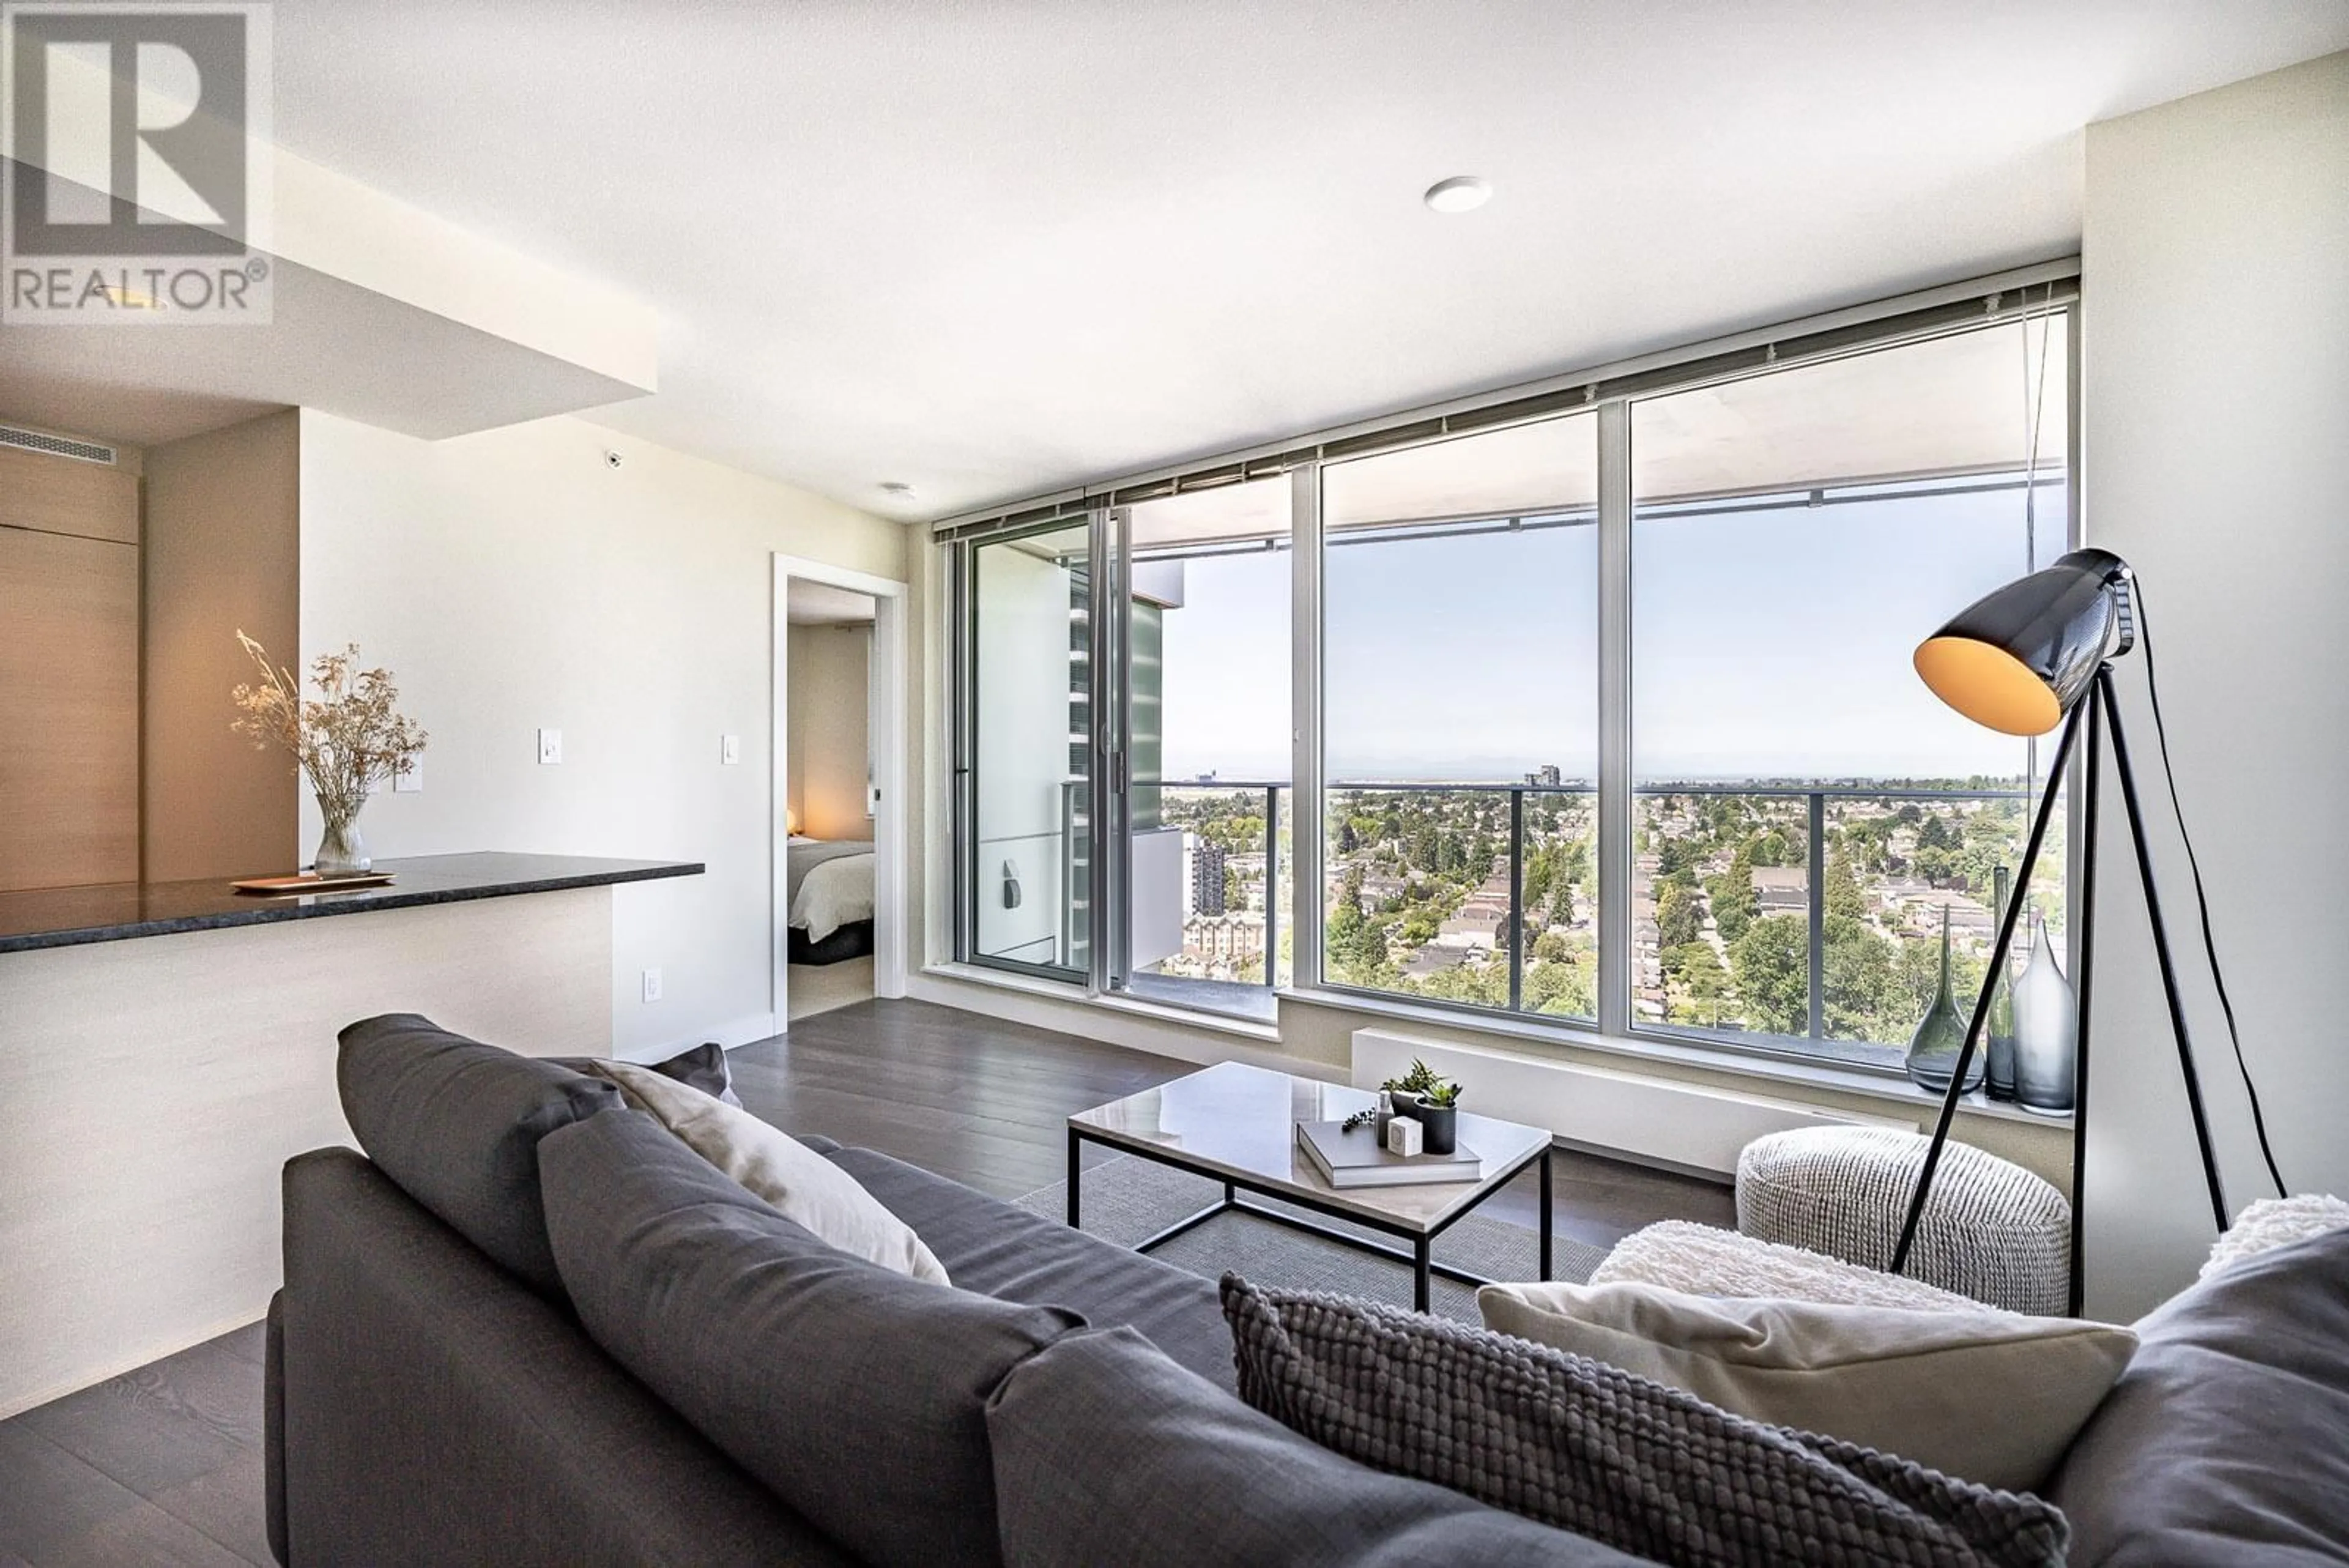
(989, 1246)
(858, 1395)
(456, 1124)
(1106, 1451)
(1992, 1397)
(1594, 1450)
(2223, 1441)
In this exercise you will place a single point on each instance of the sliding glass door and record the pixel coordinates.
(1028, 755)
(1202, 652)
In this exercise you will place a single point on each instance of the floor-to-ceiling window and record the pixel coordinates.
(1807, 815)
(1614, 721)
(1460, 725)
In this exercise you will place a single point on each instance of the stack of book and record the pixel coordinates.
(1357, 1158)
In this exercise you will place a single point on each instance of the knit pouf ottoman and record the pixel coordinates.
(1990, 1229)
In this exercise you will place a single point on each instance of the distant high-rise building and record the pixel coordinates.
(1206, 864)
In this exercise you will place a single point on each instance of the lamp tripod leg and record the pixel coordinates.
(2161, 949)
(2091, 810)
(1997, 953)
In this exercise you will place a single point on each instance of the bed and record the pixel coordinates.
(830, 886)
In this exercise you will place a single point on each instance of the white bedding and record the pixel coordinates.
(831, 895)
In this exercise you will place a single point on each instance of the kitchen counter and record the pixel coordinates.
(70, 916)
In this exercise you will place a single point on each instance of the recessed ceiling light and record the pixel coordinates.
(1461, 193)
(898, 488)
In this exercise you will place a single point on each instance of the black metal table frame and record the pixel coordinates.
(1420, 1256)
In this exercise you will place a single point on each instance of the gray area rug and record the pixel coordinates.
(1127, 1199)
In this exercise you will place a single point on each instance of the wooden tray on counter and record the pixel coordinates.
(288, 886)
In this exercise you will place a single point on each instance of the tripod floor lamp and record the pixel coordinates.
(2035, 654)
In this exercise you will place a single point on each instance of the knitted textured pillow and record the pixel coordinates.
(1587, 1448)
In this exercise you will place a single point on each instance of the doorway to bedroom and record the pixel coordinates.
(839, 751)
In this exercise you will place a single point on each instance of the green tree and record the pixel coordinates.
(1859, 970)
(1697, 987)
(1772, 966)
(1678, 918)
(1734, 905)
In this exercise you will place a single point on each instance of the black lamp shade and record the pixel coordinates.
(2018, 659)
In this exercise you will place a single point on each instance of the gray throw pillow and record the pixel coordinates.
(457, 1123)
(855, 1395)
(1107, 1452)
(2224, 1441)
(704, 1067)
(1594, 1450)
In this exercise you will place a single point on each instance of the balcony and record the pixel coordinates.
(1211, 888)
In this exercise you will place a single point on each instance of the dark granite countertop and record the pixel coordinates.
(69, 917)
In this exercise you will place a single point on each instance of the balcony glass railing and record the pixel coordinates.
(1212, 890)
(1802, 919)
(1808, 919)
(1477, 895)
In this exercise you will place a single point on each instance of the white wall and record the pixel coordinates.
(2216, 428)
(828, 759)
(513, 580)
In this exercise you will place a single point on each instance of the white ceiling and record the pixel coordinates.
(989, 249)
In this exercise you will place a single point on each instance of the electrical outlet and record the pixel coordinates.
(730, 749)
(550, 747)
(652, 985)
(409, 782)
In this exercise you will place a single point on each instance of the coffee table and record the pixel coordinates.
(1238, 1124)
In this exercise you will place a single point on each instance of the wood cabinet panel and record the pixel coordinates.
(66, 496)
(68, 711)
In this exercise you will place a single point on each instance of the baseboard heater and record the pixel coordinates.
(1681, 1127)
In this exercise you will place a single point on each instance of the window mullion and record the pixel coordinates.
(1615, 718)
(1306, 837)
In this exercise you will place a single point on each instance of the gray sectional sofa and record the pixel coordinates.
(529, 1326)
(436, 1395)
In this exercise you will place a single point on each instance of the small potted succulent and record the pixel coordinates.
(1439, 1116)
(1404, 1092)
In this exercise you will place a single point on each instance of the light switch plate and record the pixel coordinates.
(652, 985)
(730, 749)
(409, 782)
(550, 746)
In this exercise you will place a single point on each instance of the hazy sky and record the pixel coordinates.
(1765, 644)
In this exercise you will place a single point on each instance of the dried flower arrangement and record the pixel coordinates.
(350, 739)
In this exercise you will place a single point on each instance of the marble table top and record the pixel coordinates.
(1233, 1120)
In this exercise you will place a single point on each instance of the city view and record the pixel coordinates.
(1421, 884)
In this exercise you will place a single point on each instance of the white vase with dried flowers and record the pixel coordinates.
(347, 740)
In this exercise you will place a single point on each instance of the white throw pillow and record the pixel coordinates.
(1982, 1395)
(809, 1190)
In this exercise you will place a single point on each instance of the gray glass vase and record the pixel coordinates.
(1940, 1034)
(1999, 1051)
(2046, 1032)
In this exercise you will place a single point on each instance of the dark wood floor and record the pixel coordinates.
(163, 1465)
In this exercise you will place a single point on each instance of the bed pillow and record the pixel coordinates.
(1994, 1397)
(809, 1190)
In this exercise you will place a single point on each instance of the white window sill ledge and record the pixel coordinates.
(1513, 1031)
(1691, 1053)
(1183, 1017)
